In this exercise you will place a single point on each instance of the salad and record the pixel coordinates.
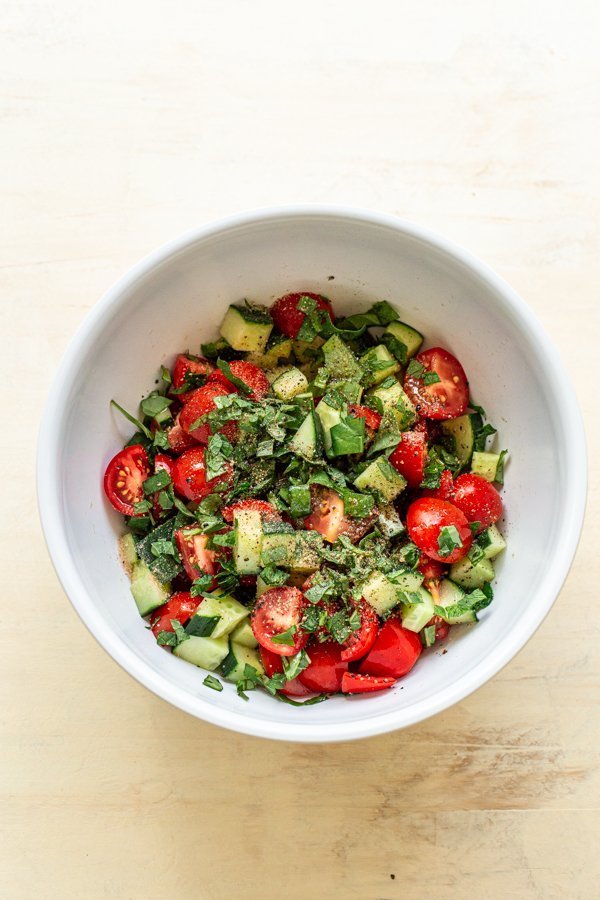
(311, 503)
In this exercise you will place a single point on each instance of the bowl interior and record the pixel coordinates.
(177, 300)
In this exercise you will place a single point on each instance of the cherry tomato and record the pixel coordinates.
(199, 403)
(178, 439)
(189, 475)
(288, 318)
(188, 364)
(430, 569)
(278, 610)
(250, 374)
(478, 499)
(448, 397)
(273, 665)
(163, 463)
(196, 559)
(324, 674)
(372, 418)
(354, 683)
(360, 642)
(410, 456)
(425, 520)
(267, 510)
(180, 606)
(124, 479)
(327, 516)
(446, 488)
(394, 652)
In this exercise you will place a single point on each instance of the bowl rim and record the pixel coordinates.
(50, 496)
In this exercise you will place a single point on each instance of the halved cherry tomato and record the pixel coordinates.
(189, 475)
(478, 499)
(394, 652)
(163, 463)
(448, 397)
(327, 516)
(354, 683)
(250, 374)
(425, 520)
(324, 674)
(196, 559)
(360, 642)
(273, 665)
(262, 506)
(124, 478)
(178, 439)
(446, 488)
(188, 364)
(180, 606)
(278, 610)
(288, 318)
(372, 418)
(410, 456)
(199, 403)
(430, 569)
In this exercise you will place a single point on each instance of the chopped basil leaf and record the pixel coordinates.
(398, 349)
(201, 626)
(473, 602)
(274, 576)
(154, 404)
(158, 548)
(142, 506)
(217, 455)
(448, 540)
(310, 702)
(415, 369)
(179, 630)
(157, 482)
(265, 448)
(238, 382)
(201, 587)
(211, 682)
(166, 639)
(286, 637)
(481, 436)
(500, 467)
(293, 665)
(299, 500)
(431, 378)
(348, 436)
(139, 425)
(165, 375)
(358, 506)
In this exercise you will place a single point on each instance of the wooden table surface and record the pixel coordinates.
(125, 123)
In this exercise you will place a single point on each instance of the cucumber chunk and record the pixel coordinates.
(373, 362)
(485, 464)
(393, 404)
(248, 538)
(463, 432)
(128, 552)
(147, 590)
(243, 634)
(341, 361)
(491, 542)
(415, 616)
(380, 593)
(328, 417)
(261, 587)
(410, 337)
(308, 351)
(449, 594)
(277, 351)
(289, 384)
(307, 441)
(239, 656)
(216, 616)
(298, 551)
(208, 653)
(381, 476)
(247, 328)
(471, 576)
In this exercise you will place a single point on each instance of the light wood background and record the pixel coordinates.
(123, 124)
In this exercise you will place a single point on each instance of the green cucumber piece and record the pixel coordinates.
(277, 351)
(410, 337)
(485, 464)
(463, 431)
(307, 441)
(471, 576)
(298, 551)
(381, 476)
(243, 634)
(341, 361)
(239, 656)
(216, 616)
(127, 552)
(289, 384)
(393, 403)
(207, 653)
(415, 616)
(491, 542)
(380, 593)
(247, 328)
(307, 352)
(248, 538)
(449, 594)
(328, 417)
(148, 592)
(373, 359)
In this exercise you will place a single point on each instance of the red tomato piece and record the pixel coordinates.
(262, 506)
(278, 610)
(250, 374)
(192, 365)
(360, 642)
(448, 397)
(178, 439)
(327, 516)
(189, 475)
(124, 478)
(324, 674)
(163, 463)
(354, 683)
(425, 520)
(446, 488)
(372, 418)
(180, 606)
(273, 665)
(430, 569)
(442, 629)
(394, 652)
(477, 499)
(288, 318)
(196, 559)
(410, 456)
(199, 403)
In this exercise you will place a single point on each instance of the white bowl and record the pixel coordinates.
(175, 298)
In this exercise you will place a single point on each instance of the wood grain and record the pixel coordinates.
(125, 123)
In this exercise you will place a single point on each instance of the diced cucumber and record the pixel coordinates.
(148, 592)
(307, 441)
(463, 432)
(449, 594)
(277, 351)
(393, 402)
(381, 476)
(389, 523)
(248, 538)
(411, 580)
(289, 384)
(216, 616)
(298, 551)
(380, 593)
(242, 633)
(471, 576)
(374, 364)
(308, 351)
(415, 616)
(410, 337)
(247, 328)
(485, 464)
(261, 587)
(341, 361)
(165, 566)
(328, 417)
(275, 373)
(208, 653)
(491, 542)
(239, 656)
(350, 390)
(128, 552)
